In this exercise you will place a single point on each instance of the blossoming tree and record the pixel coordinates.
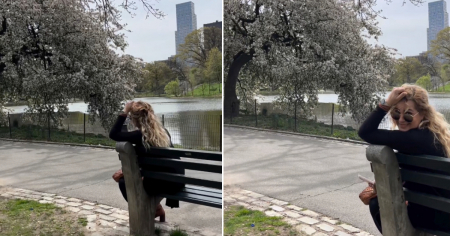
(52, 51)
(301, 47)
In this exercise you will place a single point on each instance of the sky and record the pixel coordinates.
(153, 39)
(405, 28)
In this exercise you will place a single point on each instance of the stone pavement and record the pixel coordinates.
(102, 220)
(303, 220)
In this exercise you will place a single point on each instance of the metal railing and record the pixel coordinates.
(326, 120)
(201, 132)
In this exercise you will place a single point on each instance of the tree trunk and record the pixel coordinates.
(231, 103)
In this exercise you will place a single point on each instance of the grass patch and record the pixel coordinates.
(287, 123)
(241, 221)
(29, 218)
(178, 232)
(37, 133)
(444, 89)
(206, 90)
(83, 221)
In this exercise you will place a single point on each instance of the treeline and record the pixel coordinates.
(198, 64)
(430, 69)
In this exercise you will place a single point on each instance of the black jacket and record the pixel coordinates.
(151, 186)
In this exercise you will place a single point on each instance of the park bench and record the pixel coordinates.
(142, 207)
(389, 179)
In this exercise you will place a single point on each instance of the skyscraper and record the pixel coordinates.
(186, 22)
(437, 20)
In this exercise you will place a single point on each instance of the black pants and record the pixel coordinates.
(149, 189)
(420, 217)
(122, 188)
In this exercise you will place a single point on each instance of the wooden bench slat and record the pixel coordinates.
(213, 168)
(181, 179)
(429, 162)
(192, 198)
(203, 193)
(431, 201)
(171, 152)
(429, 179)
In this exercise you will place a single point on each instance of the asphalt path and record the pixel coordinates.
(317, 174)
(85, 173)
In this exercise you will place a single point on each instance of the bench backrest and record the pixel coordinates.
(214, 165)
(409, 172)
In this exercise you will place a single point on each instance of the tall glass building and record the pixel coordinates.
(186, 22)
(437, 20)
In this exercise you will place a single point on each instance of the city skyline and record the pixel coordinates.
(437, 20)
(405, 27)
(153, 39)
(186, 22)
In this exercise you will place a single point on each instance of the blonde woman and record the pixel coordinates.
(421, 131)
(149, 133)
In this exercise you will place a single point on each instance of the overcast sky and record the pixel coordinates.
(405, 28)
(152, 39)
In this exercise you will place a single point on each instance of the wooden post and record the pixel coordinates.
(332, 118)
(393, 211)
(141, 206)
(162, 120)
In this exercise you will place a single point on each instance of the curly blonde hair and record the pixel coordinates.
(143, 117)
(433, 120)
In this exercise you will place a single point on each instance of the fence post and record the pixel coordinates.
(163, 119)
(220, 124)
(332, 118)
(48, 120)
(9, 121)
(256, 116)
(84, 127)
(295, 116)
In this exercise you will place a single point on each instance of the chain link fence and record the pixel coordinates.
(200, 132)
(326, 120)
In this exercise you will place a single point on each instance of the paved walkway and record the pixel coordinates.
(85, 173)
(303, 220)
(317, 174)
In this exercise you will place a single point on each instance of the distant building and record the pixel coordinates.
(186, 22)
(217, 24)
(437, 20)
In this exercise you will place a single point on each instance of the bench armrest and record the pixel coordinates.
(393, 211)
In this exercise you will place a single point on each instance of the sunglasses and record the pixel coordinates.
(407, 116)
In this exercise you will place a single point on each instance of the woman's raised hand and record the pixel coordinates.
(128, 107)
(395, 96)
